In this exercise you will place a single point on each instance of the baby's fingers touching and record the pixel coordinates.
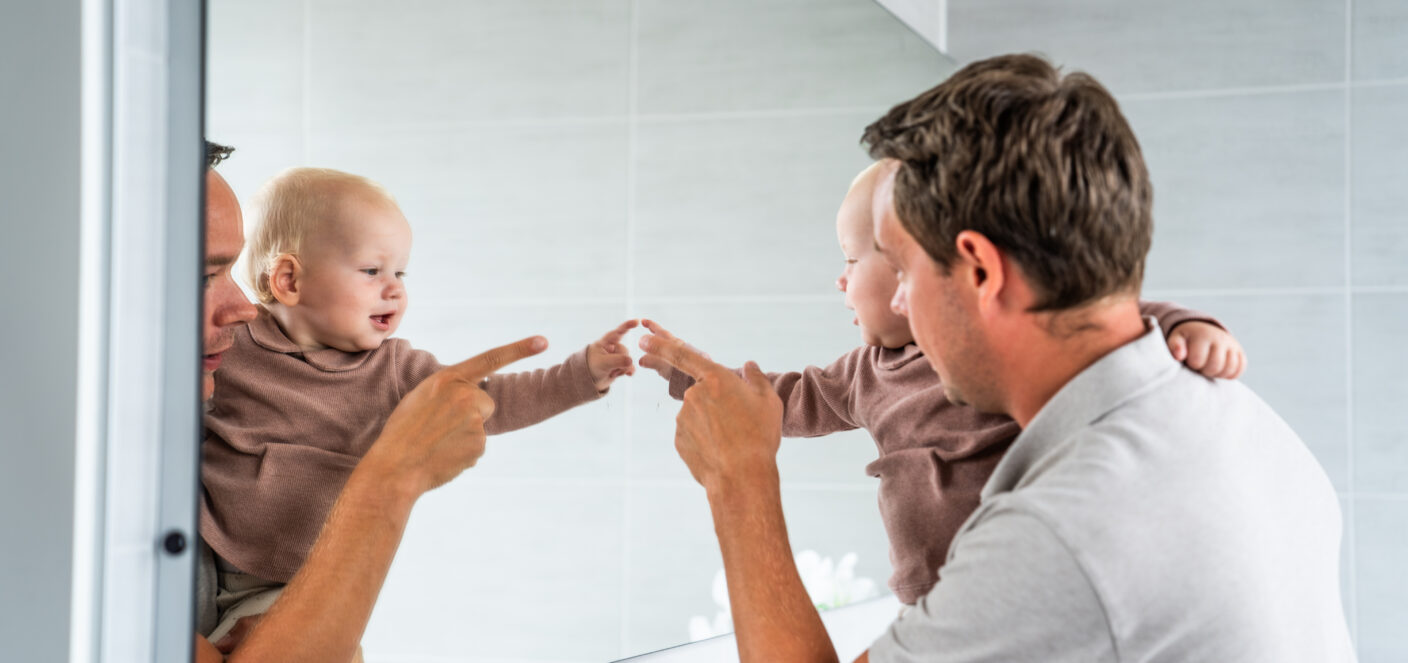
(611, 342)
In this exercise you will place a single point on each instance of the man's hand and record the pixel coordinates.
(660, 365)
(1207, 349)
(607, 359)
(437, 431)
(729, 428)
(728, 432)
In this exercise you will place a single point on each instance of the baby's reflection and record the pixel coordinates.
(309, 383)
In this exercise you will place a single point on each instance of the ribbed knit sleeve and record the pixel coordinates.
(524, 399)
(1171, 315)
(815, 401)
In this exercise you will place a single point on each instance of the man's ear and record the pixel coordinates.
(983, 267)
(285, 277)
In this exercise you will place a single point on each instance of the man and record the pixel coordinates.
(1144, 514)
(435, 433)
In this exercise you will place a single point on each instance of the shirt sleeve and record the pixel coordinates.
(1171, 315)
(1011, 592)
(413, 366)
(524, 399)
(815, 401)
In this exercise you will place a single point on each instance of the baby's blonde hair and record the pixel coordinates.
(291, 206)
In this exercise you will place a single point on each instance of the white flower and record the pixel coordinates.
(828, 585)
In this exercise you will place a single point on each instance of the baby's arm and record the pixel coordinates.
(1198, 340)
(520, 399)
(815, 401)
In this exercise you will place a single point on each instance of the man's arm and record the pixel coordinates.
(773, 617)
(436, 432)
(728, 433)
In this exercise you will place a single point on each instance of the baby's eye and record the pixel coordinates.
(400, 275)
(371, 271)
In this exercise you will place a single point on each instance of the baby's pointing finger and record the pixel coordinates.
(614, 336)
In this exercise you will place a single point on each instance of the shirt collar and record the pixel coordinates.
(1102, 387)
(892, 358)
(266, 333)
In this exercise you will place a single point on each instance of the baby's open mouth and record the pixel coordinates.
(383, 320)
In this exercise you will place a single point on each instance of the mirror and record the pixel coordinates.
(565, 166)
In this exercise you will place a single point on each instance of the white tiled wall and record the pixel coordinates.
(1274, 133)
(566, 164)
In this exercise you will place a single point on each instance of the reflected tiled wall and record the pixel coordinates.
(566, 164)
(1274, 133)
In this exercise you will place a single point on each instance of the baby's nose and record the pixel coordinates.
(841, 284)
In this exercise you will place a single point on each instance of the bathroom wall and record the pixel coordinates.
(566, 164)
(1274, 133)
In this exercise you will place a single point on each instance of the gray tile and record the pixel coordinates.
(743, 206)
(1248, 190)
(1380, 31)
(1348, 595)
(505, 212)
(675, 555)
(533, 569)
(587, 442)
(673, 558)
(734, 55)
(779, 336)
(1379, 221)
(1295, 347)
(1162, 46)
(254, 66)
(1383, 579)
(1380, 420)
(375, 64)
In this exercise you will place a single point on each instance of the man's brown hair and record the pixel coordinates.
(1041, 164)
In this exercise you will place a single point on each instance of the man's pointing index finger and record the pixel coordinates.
(483, 365)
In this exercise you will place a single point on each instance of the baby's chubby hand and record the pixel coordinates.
(608, 359)
(1207, 349)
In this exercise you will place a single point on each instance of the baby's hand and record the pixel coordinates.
(1207, 349)
(657, 364)
(608, 359)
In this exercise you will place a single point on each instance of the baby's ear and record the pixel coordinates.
(285, 276)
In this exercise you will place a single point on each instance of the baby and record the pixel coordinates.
(309, 383)
(934, 455)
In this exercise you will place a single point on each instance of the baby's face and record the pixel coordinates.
(352, 296)
(868, 281)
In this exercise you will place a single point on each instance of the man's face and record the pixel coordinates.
(940, 317)
(225, 305)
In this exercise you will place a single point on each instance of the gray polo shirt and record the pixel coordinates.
(1145, 514)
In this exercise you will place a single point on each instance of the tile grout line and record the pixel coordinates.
(628, 431)
(632, 301)
(1350, 529)
(306, 121)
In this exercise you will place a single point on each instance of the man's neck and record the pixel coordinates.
(1061, 346)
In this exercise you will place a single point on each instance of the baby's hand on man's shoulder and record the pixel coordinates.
(1207, 349)
(608, 358)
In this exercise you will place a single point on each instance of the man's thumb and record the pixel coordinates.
(755, 376)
